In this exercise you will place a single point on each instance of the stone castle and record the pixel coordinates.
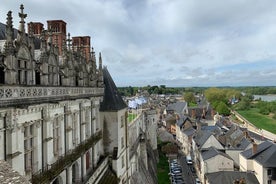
(61, 117)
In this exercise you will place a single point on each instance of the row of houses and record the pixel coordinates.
(222, 152)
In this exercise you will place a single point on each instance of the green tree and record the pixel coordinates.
(189, 97)
(223, 109)
(244, 104)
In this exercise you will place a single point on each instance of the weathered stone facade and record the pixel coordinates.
(62, 119)
(50, 129)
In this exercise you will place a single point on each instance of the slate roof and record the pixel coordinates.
(182, 120)
(2, 31)
(212, 152)
(177, 107)
(37, 41)
(112, 100)
(8, 175)
(202, 137)
(227, 177)
(189, 131)
(265, 155)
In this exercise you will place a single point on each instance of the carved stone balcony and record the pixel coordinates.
(53, 170)
(26, 95)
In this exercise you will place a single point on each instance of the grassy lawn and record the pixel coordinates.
(163, 169)
(191, 104)
(259, 120)
(131, 117)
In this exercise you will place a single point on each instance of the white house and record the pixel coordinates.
(261, 160)
(212, 160)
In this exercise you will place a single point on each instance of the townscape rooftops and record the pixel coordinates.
(265, 154)
(182, 120)
(8, 175)
(228, 177)
(202, 137)
(177, 107)
(112, 100)
(212, 152)
(190, 131)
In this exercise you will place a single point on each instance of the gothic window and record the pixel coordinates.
(37, 78)
(75, 129)
(123, 161)
(87, 124)
(122, 121)
(87, 160)
(56, 137)
(2, 75)
(29, 148)
(52, 71)
(122, 142)
(22, 71)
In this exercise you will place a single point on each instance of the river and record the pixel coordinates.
(267, 98)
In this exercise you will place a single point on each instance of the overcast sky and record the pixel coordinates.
(170, 42)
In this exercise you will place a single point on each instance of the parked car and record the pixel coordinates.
(197, 181)
(189, 160)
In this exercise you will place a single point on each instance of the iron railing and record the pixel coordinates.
(53, 170)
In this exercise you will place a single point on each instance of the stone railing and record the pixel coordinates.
(53, 170)
(98, 171)
(11, 95)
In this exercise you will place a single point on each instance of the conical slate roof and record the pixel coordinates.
(112, 100)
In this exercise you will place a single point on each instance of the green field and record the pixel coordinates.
(163, 169)
(259, 120)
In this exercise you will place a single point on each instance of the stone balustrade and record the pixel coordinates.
(11, 95)
(99, 171)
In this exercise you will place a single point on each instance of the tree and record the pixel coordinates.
(223, 109)
(189, 97)
(215, 94)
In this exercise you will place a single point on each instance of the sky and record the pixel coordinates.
(177, 43)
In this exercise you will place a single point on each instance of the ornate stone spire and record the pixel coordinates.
(22, 21)
(64, 48)
(31, 31)
(9, 48)
(43, 41)
(100, 62)
(100, 73)
(9, 27)
(69, 40)
(21, 29)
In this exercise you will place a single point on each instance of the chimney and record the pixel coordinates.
(254, 148)
(245, 133)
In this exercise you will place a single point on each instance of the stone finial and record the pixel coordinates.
(9, 47)
(22, 21)
(9, 27)
(50, 36)
(64, 47)
(69, 40)
(31, 31)
(100, 61)
(43, 41)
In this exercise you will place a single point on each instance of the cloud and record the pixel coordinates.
(177, 43)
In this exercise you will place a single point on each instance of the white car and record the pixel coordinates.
(197, 181)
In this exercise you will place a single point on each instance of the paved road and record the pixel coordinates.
(188, 176)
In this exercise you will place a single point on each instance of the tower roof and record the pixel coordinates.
(112, 100)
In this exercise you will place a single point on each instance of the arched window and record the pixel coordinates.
(22, 71)
(87, 156)
(2, 75)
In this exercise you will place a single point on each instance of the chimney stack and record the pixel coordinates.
(254, 148)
